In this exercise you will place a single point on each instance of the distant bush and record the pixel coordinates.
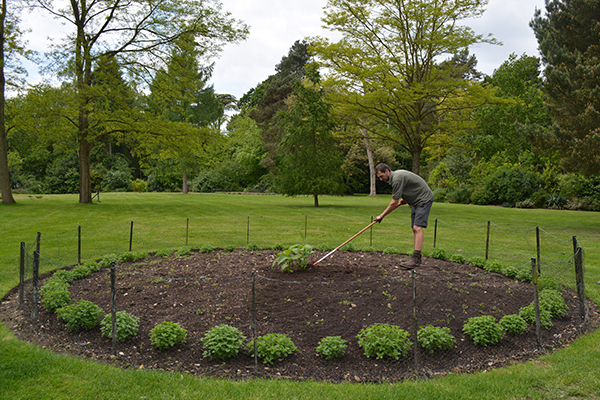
(510, 184)
(253, 247)
(139, 186)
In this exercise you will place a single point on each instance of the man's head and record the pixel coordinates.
(383, 172)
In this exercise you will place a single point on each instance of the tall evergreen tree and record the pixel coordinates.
(569, 41)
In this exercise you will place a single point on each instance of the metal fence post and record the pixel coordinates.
(435, 233)
(248, 231)
(22, 276)
(79, 245)
(131, 236)
(187, 231)
(487, 241)
(414, 287)
(254, 319)
(536, 300)
(113, 305)
(579, 275)
(34, 288)
(537, 240)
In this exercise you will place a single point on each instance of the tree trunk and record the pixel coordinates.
(85, 182)
(372, 173)
(416, 161)
(5, 189)
(184, 188)
(316, 200)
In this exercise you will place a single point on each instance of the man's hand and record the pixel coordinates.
(378, 219)
(401, 202)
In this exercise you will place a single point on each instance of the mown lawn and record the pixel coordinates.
(171, 220)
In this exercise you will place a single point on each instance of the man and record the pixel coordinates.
(408, 188)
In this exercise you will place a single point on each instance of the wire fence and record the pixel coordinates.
(274, 305)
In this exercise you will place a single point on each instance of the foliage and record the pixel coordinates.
(458, 258)
(139, 186)
(83, 315)
(222, 341)
(81, 272)
(391, 250)
(127, 325)
(433, 338)
(253, 247)
(164, 253)
(440, 254)
(229, 248)
(484, 330)
(64, 275)
(567, 36)
(108, 259)
(514, 324)
(494, 266)
(183, 251)
(511, 184)
(55, 294)
(478, 261)
(528, 314)
(131, 256)
(93, 266)
(272, 346)
(206, 248)
(553, 301)
(384, 340)
(166, 335)
(331, 347)
(296, 254)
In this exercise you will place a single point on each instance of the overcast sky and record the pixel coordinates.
(276, 24)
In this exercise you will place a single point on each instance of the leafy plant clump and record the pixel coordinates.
(64, 275)
(528, 314)
(458, 258)
(131, 256)
(391, 250)
(272, 346)
(163, 253)
(230, 248)
(553, 302)
(107, 260)
(183, 251)
(484, 330)
(166, 335)
(296, 254)
(82, 316)
(127, 325)
(514, 324)
(478, 261)
(81, 272)
(222, 341)
(55, 294)
(383, 340)
(439, 254)
(331, 347)
(207, 248)
(433, 338)
(253, 247)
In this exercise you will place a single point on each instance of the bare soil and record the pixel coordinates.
(342, 295)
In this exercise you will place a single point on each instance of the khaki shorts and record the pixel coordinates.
(420, 214)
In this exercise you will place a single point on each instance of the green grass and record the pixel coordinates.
(160, 221)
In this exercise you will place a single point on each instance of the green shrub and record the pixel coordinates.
(551, 300)
(545, 282)
(132, 256)
(514, 324)
(253, 247)
(383, 340)
(331, 347)
(494, 266)
(139, 186)
(108, 259)
(272, 346)
(439, 254)
(207, 248)
(55, 294)
(64, 275)
(433, 338)
(510, 184)
(183, 251)
(296, 254)
(278, 246)
(324, 247)
(369, 249)
(127, 325)
(84, 315)
(81, 272)
(230, 248)
(93, 266)
(164, 253)
(458, 258)
(478, 261)
(391, 250)
(483, 330)
(525, 274)
(556, 201)
(348, 247)
(166, 335)
(222, 341)
(528, 314)
(510, 272)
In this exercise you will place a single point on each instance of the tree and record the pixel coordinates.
(309, 162)
(569, 41)
(139, 34)
(385, 68)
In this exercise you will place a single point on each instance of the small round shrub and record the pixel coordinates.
(433, 338)
(478, 261)
(55, 294)
(528, 314)
(510, 272)
(545, 282)
(494, 266)
(222, 341)
(458, 258)
(163, 253)
(81, 272)
(253, 247)
(349, 247)
(553, 302)
(514, 324)
(64, 275)
(391, 250)
(93, 266)
(272, 346)
(207, 248)
(127, 325)
(82, 316)
(166, 335)
(439, 254)
(383, 340)
(369, 249)
(183, 251)
(331, 347)
(483, 330)
(525, 274)
(108, 259)
(278, 246)
(230, 248)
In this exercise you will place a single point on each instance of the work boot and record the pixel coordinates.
(412, 262)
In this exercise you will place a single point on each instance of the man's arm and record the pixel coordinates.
(395, 203)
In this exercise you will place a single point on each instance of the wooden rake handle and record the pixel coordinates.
(343, 244)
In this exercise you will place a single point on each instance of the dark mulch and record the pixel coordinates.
(343, 294)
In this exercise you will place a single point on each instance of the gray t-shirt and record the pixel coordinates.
(410, 187)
